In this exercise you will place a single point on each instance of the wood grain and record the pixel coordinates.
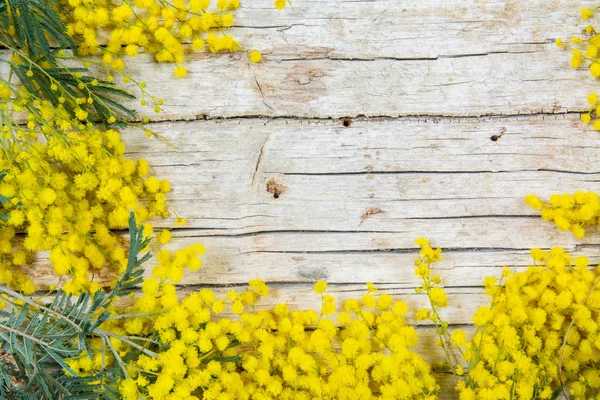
(382, 58)
(355, 29)
(428, 177)
(533, 82)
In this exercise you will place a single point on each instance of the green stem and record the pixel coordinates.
(34, 339)
(101, 332)
(116, 355)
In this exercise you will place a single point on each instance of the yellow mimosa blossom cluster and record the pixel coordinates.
(166, 29)
(68, 186)
(193, 351)
(143, 317)
(540, 333)
(283, 354)
(584, 51)
(573, 212)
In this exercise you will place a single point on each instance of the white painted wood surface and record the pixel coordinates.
(431, 82)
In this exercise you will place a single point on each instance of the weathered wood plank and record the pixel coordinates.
(539, 81)
(370, 146)
(320, 226)
(344, 258)
(403, 28)
(356, 203)
(331, 178)
(381, 58)
(388, 58)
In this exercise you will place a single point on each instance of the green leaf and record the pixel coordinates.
(43, 336)
(35, 23)
(60, 361)
(557, 392)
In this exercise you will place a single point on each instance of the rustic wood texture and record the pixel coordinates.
(277, 187)
(338, 58)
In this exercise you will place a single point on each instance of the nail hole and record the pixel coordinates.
(347, 122)
(495, 138)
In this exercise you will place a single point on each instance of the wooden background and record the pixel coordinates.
(276, 187)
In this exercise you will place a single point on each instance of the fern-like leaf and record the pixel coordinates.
(36, 339)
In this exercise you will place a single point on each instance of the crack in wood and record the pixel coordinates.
(432, 58)
(262, 95)
(370, 117)
(373, 172)
(388, 251)
(260, 160)
(339, 287)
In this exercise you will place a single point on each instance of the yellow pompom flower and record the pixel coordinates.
(576, 58)
(320, 287)
(482, 316)
(280, 4)
(438, 297)
(595, 69)
(5, 92)
(371, 288)
(164, 236)
(180, 72)
(532, 201)
(255, 56)
(586, 13)
(422, 314)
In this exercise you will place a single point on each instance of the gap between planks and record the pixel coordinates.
(425, 117)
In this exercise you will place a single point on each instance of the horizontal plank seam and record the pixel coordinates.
(497, 216)
(390, 58)
(408, 172)
(384, 251)
(181, 232)
(407, 200)
(368, 117)
(558, 171)
(359, 287)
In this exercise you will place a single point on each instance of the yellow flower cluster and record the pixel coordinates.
(68, 186)
(191, 352)
(572, 212)
(540, 332)
(283, 354)
(156, 309)
(166, 29)
(584, 50)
